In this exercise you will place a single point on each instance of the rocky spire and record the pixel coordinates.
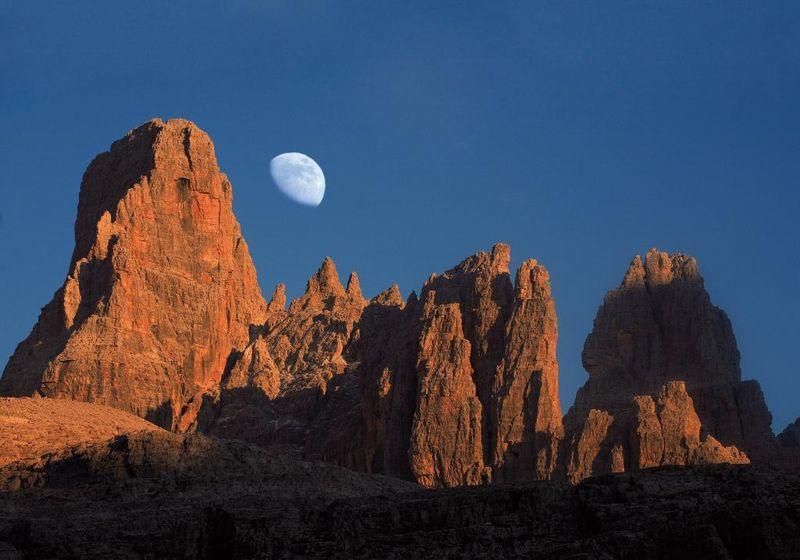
(354, 286)
(292, 363)
(390, 296)
(465, 384)
(528, 412)
(659, 326)
(790, 436)
(446, 447)
(160, 286)
(278, 301)
(326, 280)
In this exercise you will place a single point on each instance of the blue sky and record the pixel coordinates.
(579, 133)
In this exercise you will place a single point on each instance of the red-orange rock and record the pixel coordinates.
(527, 426)
(497, 372)
(657, 328)
(276, 386)
(446, 447)
(30, 428)
(458, 390)
(589, 451)
(160, 288)
(384, 350)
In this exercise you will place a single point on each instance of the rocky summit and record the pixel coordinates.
(457, 388)
(161, 402)
(664, 384)
(160, 289)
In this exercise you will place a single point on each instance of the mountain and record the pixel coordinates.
(160, 289)
(446, 402)
(161, 315)
(664, 384)
(458, 388)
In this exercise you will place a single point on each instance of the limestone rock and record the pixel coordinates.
(160, 288)
(479, 348)
(384, 349)
(657, 328)
(446, 447)
(162, 495)
(788, 453)
(590, 452)
(460, 389)
(31, 427)
(276, 386)
(527, 423)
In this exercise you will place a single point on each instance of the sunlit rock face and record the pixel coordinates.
(458, 387)
(277, 385)
(160, 289)
(663, 371)
(161, 315)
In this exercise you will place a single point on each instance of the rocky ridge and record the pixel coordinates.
(161, 315)
(457, 389)
(30, 428)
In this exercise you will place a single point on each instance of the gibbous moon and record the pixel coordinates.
(299, 177)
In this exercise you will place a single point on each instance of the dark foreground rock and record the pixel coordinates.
(162, 495)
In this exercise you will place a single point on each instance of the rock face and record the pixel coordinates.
(474, 359)
(460, 387)
(161, 316)
(160, 287)
(664, 382)
(446, 443)
(277, 385)
(789, 446)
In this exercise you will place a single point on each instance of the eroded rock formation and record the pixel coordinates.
(161, 315)
(790, 436)
(474, 359)
(458, 387)
(446, 446)
(664, 380)
(160, 287)
(789, 446)
(277, 385)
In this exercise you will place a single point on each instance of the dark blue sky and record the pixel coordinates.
(580, 134)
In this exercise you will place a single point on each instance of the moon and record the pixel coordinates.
(298, 177)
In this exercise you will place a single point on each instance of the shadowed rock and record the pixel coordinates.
(663, 368)
(167, 495)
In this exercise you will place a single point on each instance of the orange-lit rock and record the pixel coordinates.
(446, 447)
(277, 384)
(459, 390)
(160, 289)
(465, 387)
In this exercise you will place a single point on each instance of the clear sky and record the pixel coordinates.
(580, 133)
